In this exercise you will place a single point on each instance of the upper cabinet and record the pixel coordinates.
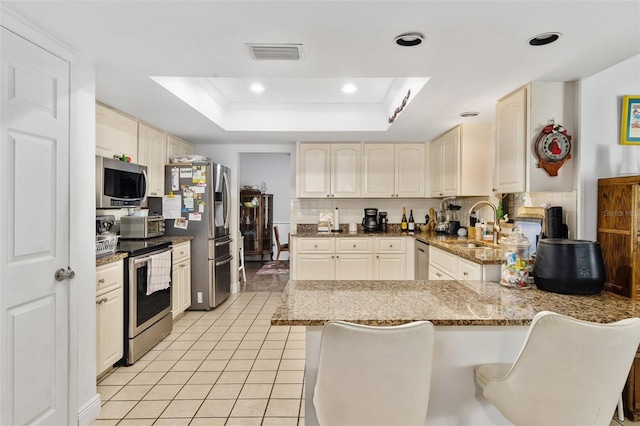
(520, 117)
(116, 134)
(394, 170)
(329, 170)
(152, 152)
(461, 161)
(177, 146)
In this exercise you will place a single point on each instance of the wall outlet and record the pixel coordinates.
(199, 297)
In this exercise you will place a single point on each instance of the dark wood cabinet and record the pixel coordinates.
(618, 235)
(256, 223)
(618, 226)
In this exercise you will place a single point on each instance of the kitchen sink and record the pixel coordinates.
(470, 244)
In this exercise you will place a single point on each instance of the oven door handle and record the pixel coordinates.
(224, 262)
(223, 242)
(146, 259)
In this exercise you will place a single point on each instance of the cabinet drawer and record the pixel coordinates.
(316, 245)
(109, 277)
(355, 245)
(181, 251)
(390, 245)
(436, 274)
(444, 261)
(468, 270)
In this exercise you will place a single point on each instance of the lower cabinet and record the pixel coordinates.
(356, 258)
(109, 315)
(181, 279)
(447, 266)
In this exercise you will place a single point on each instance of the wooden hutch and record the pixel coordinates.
(256, 223)
(619, 238)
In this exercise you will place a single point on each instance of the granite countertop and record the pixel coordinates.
(486, 253)
(109, 258)
(445, 303)
(114, 257)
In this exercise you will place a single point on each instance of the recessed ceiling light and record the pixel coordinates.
(256, 88)
(544, 38)
(348, 88)
(469, 114)
(409, 39)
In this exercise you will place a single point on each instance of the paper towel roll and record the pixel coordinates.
(336, 220)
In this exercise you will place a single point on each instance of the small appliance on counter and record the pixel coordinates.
(383, 221)
(555, 227)
(569, 266)
(141, 227)
(370, 220)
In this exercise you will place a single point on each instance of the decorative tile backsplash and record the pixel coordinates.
(566, 200)
(307, 211)
(352, 210)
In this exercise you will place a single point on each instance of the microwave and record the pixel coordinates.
(120, 184)
(141, 227)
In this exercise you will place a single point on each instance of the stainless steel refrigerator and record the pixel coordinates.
(200, 206)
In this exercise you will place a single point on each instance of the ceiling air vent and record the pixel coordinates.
(271, 52)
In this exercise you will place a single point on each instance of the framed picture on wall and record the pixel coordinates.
(630, 120)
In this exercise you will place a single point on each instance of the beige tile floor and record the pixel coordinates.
(227, 366)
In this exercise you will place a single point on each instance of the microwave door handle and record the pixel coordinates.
(145, 182)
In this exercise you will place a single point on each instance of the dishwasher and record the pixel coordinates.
(422, 260)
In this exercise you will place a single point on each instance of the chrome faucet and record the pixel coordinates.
(496, 228)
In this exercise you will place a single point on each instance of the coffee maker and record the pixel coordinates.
(383, 221)
(370, 220)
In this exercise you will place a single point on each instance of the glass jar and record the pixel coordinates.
(515, 260)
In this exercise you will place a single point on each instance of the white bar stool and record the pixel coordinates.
(241, 258)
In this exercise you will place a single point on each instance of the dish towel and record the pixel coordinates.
(159, 272)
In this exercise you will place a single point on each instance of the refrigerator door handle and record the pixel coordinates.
(225, 198)
(223, 242)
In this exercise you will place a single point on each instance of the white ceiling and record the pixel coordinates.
(474, 53)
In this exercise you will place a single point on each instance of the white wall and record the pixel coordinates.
(600, 154)
(274, 169)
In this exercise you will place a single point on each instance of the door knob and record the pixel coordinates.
(62, 274)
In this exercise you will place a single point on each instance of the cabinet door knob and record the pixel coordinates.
(438, 274)
(354, 246)
(328, 195)
(465, 274)
(315, 246)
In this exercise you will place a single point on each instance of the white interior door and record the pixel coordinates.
(34, 233)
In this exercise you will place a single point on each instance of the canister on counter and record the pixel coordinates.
(515, 260)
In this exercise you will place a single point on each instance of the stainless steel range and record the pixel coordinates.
(147, 314)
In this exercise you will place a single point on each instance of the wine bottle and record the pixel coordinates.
(404, 225)
(412, 224)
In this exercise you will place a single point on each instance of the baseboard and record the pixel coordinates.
(89, 411)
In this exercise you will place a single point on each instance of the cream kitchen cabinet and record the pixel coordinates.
(116, 134)
(461, 161)
(447, 266)
(177, 146)
(329, 170)
(152, 152)
(109, 315)
(390, 258)
(334, 259)
(520, 116)
(181, 279)
(394, 170)
(357, 258)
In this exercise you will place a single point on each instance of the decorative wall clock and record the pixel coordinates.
(553, 148)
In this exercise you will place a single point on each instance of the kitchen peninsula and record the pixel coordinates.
(476, 322)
